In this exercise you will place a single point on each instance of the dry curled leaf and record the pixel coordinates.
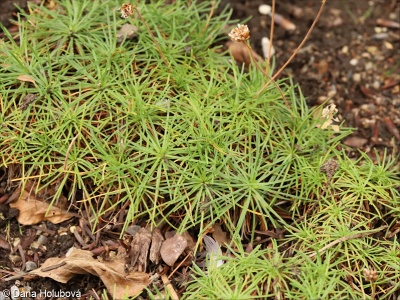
(240, 53)
(156, 241)
(33, 209)
(27, 78)
(140, 248)
(327, 117)
(118, 283)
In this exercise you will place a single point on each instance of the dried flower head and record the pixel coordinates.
(126, 10)
(240, 34)
(327, 116)
(329, 112)
(329, 167)
(370, 274)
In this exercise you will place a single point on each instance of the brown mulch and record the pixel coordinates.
(352, 57)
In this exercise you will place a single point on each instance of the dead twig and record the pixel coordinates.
(346, 238)
(296, 51)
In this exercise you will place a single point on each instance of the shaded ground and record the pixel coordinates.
(351, 57)
(348, 58)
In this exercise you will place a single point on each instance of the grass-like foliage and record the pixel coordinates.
(169, 128)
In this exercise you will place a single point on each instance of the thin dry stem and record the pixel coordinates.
(297, 50)
(271, 34)
(346, 238)
(209, 16)
(152, 36)
(266, 74)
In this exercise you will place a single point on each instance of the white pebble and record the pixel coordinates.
(30, 265)
(357, 77)
(264, 9)
(265, 45)
(354, 62)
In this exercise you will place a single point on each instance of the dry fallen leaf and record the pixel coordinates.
(140, 248)
(355, 142)
(219, 235)
(33, 210)
(118, 283)
(240, 53)
(156, 241)
(27, 78)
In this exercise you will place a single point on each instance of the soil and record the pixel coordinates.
(351, 59)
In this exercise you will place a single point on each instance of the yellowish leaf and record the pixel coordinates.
(27, 78)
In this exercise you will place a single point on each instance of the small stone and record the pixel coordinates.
(72, 229)
(380, 36)
(172, 248)
(264, 9)
(30, 265)
(353, 62)
(369, 65)
(266, 45)
(332, 93)
(132, 230)
(42, 240)
(357, 77)
(127, 31)
(376, 85)
(35, 246)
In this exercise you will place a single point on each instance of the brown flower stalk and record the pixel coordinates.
(297, 49)
(242, 34)
(128, 10)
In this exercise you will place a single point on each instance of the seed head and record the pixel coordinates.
(126, 10)
(240, 34)
(370, 274)
(329, 167)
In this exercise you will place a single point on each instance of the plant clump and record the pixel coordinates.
(162, 129)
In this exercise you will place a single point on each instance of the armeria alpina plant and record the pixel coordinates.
(161, 130)
(241, 34)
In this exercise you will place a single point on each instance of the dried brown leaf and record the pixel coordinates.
(355, 142)
(388, 23)
(156, 241)
(33, 210)
(219, 235)
(111, 272)
(140, 248)
(240, 53)
(27, 78)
